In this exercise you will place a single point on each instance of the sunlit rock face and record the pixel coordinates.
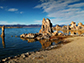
(46, 27)
(64, 27)
(80, 25)
(73, 25)
(57, 27)
(3, 30)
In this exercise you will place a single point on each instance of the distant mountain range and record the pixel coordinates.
(32, 25)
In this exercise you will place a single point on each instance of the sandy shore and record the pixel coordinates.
(72, 52)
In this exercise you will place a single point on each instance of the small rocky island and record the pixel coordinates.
(45, 32)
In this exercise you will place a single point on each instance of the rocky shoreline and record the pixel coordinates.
(27, 54)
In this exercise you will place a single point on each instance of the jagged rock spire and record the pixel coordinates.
(46, 26)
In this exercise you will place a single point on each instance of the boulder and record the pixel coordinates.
(39, 38)
(60, 34)
(55, 33)
(23, 35)
(30, 35)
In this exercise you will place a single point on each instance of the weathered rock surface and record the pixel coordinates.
(73, 25)
(30, 35)
(55, 33)
(44, 33)
(46, 27)
(23, 35)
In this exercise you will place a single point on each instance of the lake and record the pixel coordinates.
(13, 45)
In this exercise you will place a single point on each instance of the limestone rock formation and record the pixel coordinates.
(3, 30)
(73, 25)
(23, 35)
(46, 27)
(58, 27)
(55, 33)
(80, 25)
(30, 35)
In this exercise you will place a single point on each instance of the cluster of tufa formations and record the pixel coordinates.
(73, 26)
(47, 31)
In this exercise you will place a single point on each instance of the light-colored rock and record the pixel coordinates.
(46, 26)
(39, 38)
(60, 34)
(4, 59)
(55, 33)
(11, 61)
(73, 25)
(3, 31)
(57, 27)
(30, 35)
(64, 27)
(23, 35)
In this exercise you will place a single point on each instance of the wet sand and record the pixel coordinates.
(72, 52)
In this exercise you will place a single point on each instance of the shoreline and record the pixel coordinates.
(66, 53)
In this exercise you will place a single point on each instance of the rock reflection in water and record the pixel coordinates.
(29, 40)
(73, 32)
(3, 41)
(47, 43)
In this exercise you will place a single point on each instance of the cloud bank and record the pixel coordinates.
(1, 7)
(63, 11)
(11, 23)
(12, 9)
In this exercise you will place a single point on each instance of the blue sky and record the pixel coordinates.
(33, 11)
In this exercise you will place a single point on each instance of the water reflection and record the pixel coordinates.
(3, 41)
(73, 32)
(45, 43)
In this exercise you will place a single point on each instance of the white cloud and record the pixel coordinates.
(63, 11)
(21, 12)
(1, 7)
(77, 5)
(38, 21)
(9, 23)
(12, 9)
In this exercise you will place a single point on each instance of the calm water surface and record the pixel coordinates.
(14, 45)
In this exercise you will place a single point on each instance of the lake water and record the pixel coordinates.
(15, 45)
(12, 46)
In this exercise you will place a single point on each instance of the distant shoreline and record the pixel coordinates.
(21, 27)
